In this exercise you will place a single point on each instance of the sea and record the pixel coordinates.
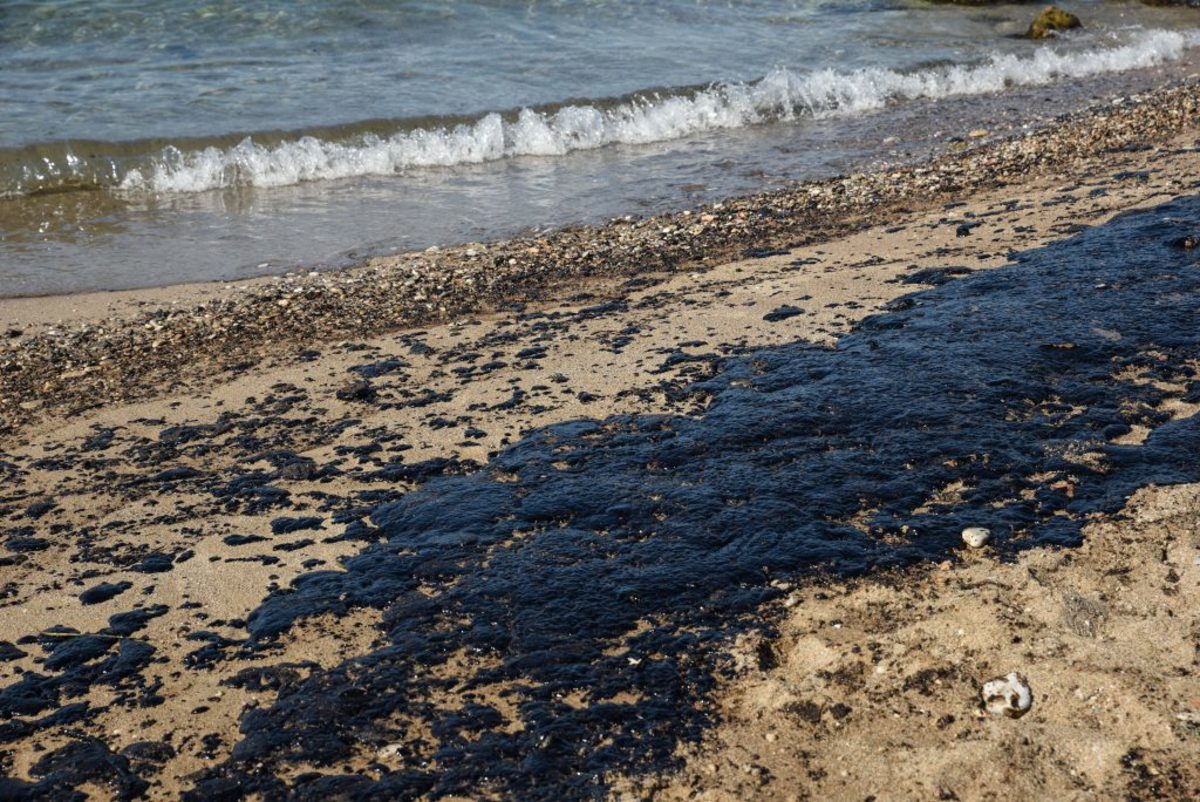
(156, 142)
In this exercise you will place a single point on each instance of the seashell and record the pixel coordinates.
(1009, 696)
(976, 536)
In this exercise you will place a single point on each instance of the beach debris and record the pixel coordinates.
(1052, 20)
(976, 536)
(1008, 696)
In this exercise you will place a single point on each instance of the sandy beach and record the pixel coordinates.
(174, 458)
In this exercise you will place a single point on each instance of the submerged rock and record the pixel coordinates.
(1052, 20)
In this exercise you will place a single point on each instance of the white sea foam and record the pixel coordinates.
(781, 95)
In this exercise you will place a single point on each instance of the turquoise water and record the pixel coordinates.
(150, 142)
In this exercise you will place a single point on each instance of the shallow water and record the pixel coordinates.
(603, 561)
(150, 143)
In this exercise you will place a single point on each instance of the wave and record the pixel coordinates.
(782, 95)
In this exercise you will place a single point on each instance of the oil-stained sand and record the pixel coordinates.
(586, 635)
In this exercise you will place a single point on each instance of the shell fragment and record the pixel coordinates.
(976, 536)
(1008, 696)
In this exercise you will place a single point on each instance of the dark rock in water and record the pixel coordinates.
(1052, 20)
(782, 313)
(1186, 242)
(103, 592)
(616, 557)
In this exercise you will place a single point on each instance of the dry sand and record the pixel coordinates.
(871, 690)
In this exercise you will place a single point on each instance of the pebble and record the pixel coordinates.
(1007, 696)
(976, 536)
(391, 750)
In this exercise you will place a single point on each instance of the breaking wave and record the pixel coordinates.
(781, 95)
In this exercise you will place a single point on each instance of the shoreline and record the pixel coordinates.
(194, 331)
(163, 530)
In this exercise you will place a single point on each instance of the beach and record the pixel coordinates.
(175, 459)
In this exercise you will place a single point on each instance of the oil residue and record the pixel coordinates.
(556, 617)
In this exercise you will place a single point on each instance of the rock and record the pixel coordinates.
(976, 536)
(1008, 696)
(1052, 20)
(389, 751)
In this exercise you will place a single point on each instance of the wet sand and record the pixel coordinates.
(187, 452)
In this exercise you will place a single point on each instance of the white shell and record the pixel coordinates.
(1009, 696)
(976, 536)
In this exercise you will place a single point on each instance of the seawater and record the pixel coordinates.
(146, 143)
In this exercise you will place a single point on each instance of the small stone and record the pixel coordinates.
(976, 536)
(1052, 20)
(391, 750)
(978, 133)
(1007, 696)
